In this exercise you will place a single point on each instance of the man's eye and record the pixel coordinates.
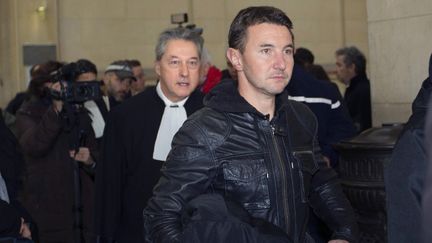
(174, 62)
(192, 64)
(288, 51)
(265, 51)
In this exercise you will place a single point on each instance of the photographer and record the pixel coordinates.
(46, 127)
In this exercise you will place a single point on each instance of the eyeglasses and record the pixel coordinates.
(191, 63)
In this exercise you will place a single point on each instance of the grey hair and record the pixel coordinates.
(205, 56)
(352, 55)
(178, 34)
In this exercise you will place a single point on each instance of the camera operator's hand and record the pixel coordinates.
(57, 104)
(83, 156)
(25, 230)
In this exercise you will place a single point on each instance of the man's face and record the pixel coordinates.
(139, 84)
(266, 64)
(116, 88)
(179, 69)
(344, 72)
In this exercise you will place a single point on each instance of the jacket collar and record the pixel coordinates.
(359, 78)
(226, 98)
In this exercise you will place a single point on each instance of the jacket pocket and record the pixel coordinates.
(246, 181)
(307, 165)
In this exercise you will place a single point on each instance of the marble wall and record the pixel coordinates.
(107, 30)
(400, 43)
(21, 24)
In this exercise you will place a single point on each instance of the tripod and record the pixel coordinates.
(77, 139)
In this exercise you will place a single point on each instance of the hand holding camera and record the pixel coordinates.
(56, 88)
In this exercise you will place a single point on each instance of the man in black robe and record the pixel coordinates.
(138, 136)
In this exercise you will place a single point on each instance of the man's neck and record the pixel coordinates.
(265, 104)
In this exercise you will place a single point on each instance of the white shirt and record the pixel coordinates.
(172, 119)
(3, 190)
(98, 122)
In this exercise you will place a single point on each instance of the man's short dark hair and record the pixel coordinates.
(303, 56)
(352, 55)
(134, 63)
(86, 66)
(252, 16)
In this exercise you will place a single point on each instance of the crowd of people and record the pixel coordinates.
(244, 154)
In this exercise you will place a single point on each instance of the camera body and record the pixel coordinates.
(78, 92)
(179, 18)
(73, 91)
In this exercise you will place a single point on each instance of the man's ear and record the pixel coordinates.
(157, 67)
(234, 56)
(106, 78)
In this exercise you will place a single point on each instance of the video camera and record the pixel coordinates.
(71, 90)
(182, 18)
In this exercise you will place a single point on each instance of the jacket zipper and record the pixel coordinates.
(284, 180)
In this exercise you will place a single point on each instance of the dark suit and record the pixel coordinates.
(127, 173)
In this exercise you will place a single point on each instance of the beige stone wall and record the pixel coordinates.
(107, 30)
(21, 24)
(400, 42)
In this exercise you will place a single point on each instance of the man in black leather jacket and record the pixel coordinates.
(251, 145)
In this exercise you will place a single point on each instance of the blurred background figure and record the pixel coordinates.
(351, 70)
(210, 74)
(138, 84)
(13, 106)
(305, 58)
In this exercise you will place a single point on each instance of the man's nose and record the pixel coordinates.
(280, 61)
(184, 70)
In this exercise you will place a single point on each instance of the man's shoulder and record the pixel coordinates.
(142, 101)
(207, 115)
(297, 106)
(195, 101)
(301, 113)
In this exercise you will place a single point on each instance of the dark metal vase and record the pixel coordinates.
(361, 169)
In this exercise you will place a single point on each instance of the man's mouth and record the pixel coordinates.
(183, 83)
(279, 76)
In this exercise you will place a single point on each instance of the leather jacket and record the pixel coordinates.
(269, 167)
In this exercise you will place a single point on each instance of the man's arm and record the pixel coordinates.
(331, 205)
(37, 138)
(186, 174)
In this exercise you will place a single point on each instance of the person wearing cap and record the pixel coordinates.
(117, 80)
(138, 135)
(116, 86)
